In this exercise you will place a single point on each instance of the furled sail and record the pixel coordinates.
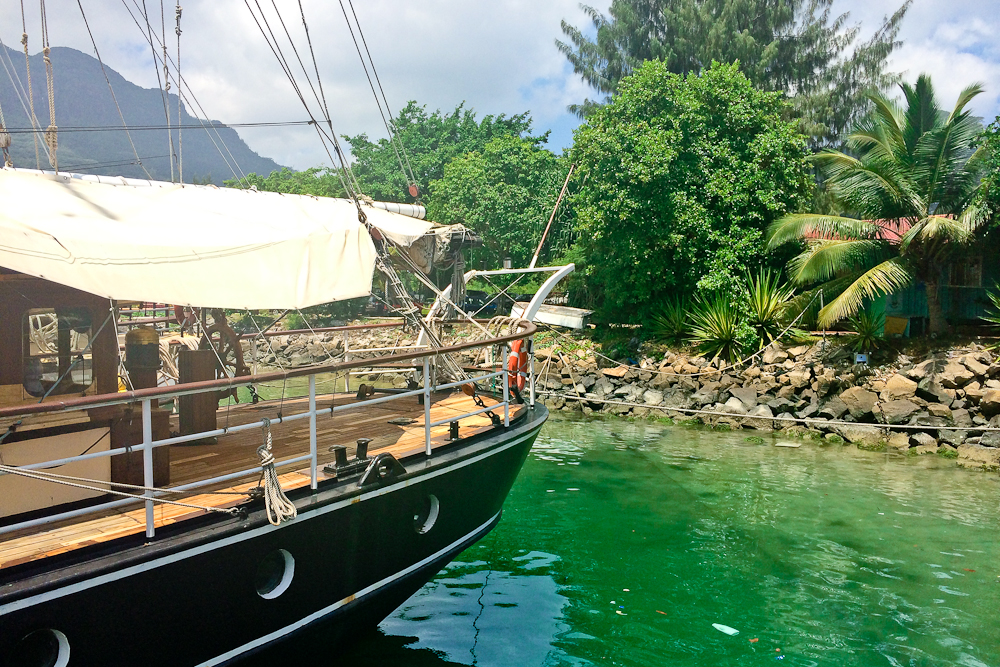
(190, 245)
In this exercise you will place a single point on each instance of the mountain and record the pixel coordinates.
(82, 99)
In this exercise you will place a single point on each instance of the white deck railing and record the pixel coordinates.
(148, 445)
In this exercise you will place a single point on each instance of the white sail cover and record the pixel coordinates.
(190, 245)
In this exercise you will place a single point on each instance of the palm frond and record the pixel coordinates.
(964, 98)
(799, 226)
(827, 259)
(935, 229)
(889, 276)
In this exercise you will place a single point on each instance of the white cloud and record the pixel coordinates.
(497, 57)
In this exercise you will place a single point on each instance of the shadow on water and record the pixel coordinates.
(622, 544)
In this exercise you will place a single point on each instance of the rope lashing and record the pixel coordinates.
(31, 91)
(279, 507)
(52, 131)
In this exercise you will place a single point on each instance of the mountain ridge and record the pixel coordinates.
(82, 100)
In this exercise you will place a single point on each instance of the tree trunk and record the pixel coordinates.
(938, 325)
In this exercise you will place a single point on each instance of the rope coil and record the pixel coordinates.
(279, 508)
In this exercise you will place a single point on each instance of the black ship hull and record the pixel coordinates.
(194, 597)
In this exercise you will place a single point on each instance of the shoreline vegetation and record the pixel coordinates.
(942, 401)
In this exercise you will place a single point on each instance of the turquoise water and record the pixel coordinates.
(623, 543)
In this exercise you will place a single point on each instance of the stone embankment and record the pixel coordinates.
(944, 404)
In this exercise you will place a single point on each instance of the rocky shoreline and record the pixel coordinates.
(946, 403)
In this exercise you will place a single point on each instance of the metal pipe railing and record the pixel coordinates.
(146, 397)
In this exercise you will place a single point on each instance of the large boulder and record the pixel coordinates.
(799, 378)
(925, 369)
(977, 456)
(747, 396)
(931, 390)
(899, 386)
(652, 397)
(975, 365)
(898, 411)
(735, 405)
(860, 402)
(858, 434)
(955, 376)
(899, 442)
(833, 409)
(763, 419)
(989, 404)
(773, 354)
(921, 439)
(938, 410)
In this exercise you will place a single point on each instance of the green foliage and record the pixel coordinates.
(993, 311)
(679, 178)
(793, 46)
(718, 330)
(317, 181)
(506, 192)
(869, 327)
(431, 141)
(767, 301)
(989, 145)
(670, 323)
(911, 186)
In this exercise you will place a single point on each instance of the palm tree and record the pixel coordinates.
(911, 183)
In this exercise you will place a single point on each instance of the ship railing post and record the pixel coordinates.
(531, 371)
(347, 357)
(147, 463)
(506, 387)
(253, 355)
(427, 406)
(313, 463)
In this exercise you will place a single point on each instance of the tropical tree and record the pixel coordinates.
(431, 140)
(506, 191)
(910, 190)
(795, 46)
(679, 178)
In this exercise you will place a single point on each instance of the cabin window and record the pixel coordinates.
(57, 358)
(967, 272)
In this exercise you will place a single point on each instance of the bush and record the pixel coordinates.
(767, 300)
(869, 327)
(670, 323)
(717, 330)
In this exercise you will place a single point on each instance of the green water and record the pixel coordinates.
(833, 555)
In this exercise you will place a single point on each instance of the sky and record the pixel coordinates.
(496, 57)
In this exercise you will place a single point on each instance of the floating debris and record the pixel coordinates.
(732, 632)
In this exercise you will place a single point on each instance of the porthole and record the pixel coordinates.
(425, 519)
(274, 574)
(42, 648)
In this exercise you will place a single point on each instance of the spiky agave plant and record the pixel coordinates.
(716, 329)
(670, 323)
(767, 301)
(993, 311)
(869, 331)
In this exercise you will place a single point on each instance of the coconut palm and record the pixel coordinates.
(910, 185)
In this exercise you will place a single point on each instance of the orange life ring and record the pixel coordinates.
(179, 314)
(517, 364)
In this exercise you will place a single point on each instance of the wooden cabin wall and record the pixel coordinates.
(18, 294)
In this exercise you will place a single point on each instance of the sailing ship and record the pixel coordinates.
(167, 524)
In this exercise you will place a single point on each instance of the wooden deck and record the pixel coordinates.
(235, 452)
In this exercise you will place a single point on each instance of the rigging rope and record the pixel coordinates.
(66, 480)
(277, 505)
(180, 142)
(52, 131)
(31, 92)
(5, 141)
(113, 96)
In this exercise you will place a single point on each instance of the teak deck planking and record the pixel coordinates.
(237, 451)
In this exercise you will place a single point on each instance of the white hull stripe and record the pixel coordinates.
(251, 534)
(315, 616)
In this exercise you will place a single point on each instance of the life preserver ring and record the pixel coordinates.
(517, 364)
(179, 314)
